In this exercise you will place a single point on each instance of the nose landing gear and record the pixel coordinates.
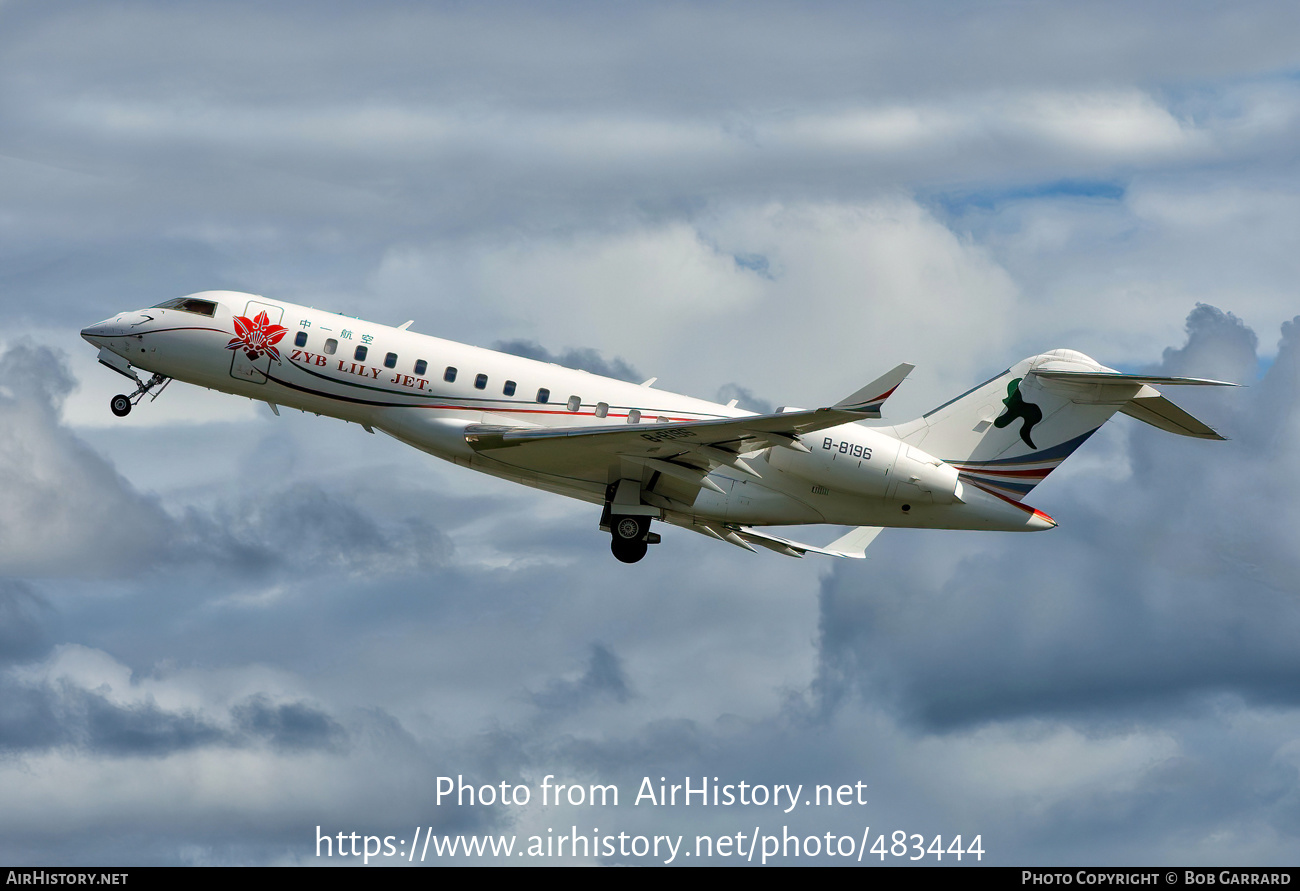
(121, 403)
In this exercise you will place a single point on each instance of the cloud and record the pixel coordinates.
(23, 617)
(293, 726)
(582, 358)
(744, 398)
(71, 513)
(83, 701)
(264, 531)
(67, 510)
(604, 679)
(857, 287)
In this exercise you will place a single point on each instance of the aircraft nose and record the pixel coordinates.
(96, 333)
(121, 325)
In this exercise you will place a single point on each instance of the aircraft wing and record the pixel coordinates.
(685, 450)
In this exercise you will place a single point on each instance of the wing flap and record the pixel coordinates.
(852, 545)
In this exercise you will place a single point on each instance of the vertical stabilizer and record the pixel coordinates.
(1007, 434)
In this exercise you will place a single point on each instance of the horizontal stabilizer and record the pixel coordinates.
(870, 398)
(1114, 377)
(1162, 414)
(1148, 405)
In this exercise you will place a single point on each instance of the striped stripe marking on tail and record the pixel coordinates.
(1015, 478)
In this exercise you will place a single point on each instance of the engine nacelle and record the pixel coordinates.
(859, 461)
(918, 474)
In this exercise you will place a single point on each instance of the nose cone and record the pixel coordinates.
(98, 334)
(121, 325)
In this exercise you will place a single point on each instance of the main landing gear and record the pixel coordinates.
(627, 521)
(121, 403)
(628, 537)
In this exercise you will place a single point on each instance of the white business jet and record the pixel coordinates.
(646, 454)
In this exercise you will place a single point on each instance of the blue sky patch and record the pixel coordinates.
(958, 203)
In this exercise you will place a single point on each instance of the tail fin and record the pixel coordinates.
(1007, 434)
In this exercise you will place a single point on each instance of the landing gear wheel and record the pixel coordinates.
(628, 538)
(121, 403)
(628, 551)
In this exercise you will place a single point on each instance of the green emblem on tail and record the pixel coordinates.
(1017, 407)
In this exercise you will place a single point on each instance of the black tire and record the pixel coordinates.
(628, 551)
(121, 405)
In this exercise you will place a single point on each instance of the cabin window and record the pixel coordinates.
(663, 420)
(574, 403)
(390, 361)
(300, 339)
(360, 353)
(602, 409)
(509, 388)
(480, 382)
(543, 395)
(330, 346)
(449, 375)
(421, 367)
(634, 417)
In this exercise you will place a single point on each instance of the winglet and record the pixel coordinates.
(870, 398)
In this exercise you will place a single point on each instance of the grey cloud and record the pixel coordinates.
(603, 680)
(1221, 346)
(305, 526)
(270, 140)
(745, 398)
(581, 358)
(558, 55)
(95, 723)
(38, 717)
(28, 718)
(42, 716)
(67, 510)
(23, 614)
(294, 726)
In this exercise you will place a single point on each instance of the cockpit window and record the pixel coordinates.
(190, 304)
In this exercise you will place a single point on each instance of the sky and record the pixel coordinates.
(223, 633)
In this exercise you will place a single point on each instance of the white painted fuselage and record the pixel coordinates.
(434, 394)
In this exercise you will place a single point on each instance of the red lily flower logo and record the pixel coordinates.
(257, 336)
